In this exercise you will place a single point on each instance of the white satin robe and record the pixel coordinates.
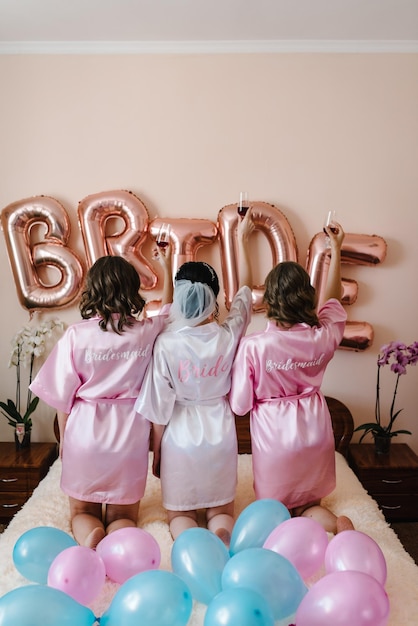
(95, 376)
(186, 389)
(277, 376)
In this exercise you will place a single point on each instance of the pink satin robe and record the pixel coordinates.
(277, 376)
(186, 388)
(95, 376)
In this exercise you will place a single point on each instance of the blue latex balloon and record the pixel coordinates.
(256, 522)
(239, 606)
(39, 605)
(269, 574)
(35, 550)
(198, 557)
(154, 597)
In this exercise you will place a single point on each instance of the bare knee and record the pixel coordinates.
(172, 515)
(80, 507)
(300, 510)
(179, 521)
(127, 513)
(225, 509)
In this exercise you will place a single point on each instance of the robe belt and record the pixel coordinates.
(308, 394)
(198, 402)
(108, 400)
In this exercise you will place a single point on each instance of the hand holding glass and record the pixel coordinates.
(163, 237)
(243, 205)
(330, 222)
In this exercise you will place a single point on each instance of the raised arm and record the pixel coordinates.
(245, 228)
(164, 256)
(333, 288)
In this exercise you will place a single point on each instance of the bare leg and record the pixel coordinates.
(121, 516)
(330, 522)
(344, 523)
(323, 516)
(86, 522)
(220, 520)
(180, 521)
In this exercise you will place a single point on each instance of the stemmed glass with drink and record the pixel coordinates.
(330, 222)
(243, 204)
(163, 236)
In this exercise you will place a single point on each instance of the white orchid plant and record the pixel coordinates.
(27, 345)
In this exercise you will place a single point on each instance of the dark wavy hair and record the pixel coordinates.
(112, 291)
(289, 295)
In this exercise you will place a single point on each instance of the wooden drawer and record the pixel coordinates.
(13, 479)
(391, 479)
(382, 482)
(20, 472)
(398, 507)
(10, 503)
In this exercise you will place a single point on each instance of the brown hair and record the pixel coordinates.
(289, 295)
(112, 287)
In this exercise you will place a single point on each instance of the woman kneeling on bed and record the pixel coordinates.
(185, 395)
(92, 378)
(277, 376)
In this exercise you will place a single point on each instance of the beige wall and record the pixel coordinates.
(306, 132)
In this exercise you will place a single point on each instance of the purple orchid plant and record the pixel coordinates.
(398, 355)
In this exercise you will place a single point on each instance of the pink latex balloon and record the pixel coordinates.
(302, 541)
(344, 599)
(128, 551)
(354, 550)
(79, 572)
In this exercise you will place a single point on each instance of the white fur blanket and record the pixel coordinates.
(48, 506)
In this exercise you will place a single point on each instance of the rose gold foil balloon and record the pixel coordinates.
(356, 250)
(273, 224)
(30, 258)
(98, 212)
(357, 336)
(186, 237)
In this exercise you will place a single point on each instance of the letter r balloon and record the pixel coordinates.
(95, 213)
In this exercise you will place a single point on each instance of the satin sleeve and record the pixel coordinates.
(239, 315)
(332, 318)
(156, 400)
(57, 381)
(241, 396)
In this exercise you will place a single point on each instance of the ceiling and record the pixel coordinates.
(122, 22)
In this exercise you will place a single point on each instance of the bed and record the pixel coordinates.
(48, 506)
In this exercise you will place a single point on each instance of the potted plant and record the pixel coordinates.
(399, 356)
(27, 345)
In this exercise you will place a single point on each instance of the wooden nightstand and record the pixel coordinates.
(391, 479)
(20, 472)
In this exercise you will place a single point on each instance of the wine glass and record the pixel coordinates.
(329, 222)
(163, 237)
(243, 205)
